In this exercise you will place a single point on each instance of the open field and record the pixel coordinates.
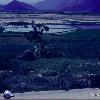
(74, 51)
(51, 18)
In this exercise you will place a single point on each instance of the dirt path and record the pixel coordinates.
(72, 94)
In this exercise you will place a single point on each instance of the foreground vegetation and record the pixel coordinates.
(49, 74)
(70, 61)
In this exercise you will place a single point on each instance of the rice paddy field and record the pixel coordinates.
(74, 45)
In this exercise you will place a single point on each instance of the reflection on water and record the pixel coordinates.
(55, 29)
(59, 29)
(56, 26)
(89, 26)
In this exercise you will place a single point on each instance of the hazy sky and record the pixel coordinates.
(27, 1)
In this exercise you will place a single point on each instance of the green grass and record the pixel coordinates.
(40, 65)
(73, 66)
(88, 34)
(76, 53)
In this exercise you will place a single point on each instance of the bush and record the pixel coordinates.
(4, 62)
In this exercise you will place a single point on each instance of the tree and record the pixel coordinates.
(37, 34)
(2, 29)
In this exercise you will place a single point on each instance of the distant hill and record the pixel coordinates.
(49, 4)
(17, 6)
(70, 5)
(1, 8)
(92, 6)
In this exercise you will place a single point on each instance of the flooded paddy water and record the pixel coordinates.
(57, 23)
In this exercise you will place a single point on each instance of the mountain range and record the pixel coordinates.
(69, 5)
(54, 5)
(17, 6)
